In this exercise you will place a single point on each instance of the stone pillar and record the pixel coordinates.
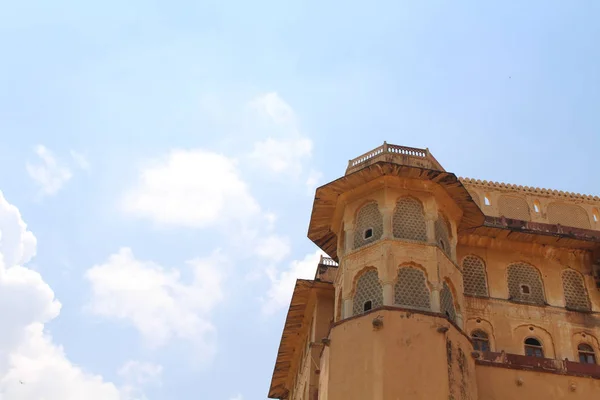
(388, 230)
(349, 238)
(435, 297)
(347, 306)
(453, 243)
(430, 225)
(341, 244)
(388, 294)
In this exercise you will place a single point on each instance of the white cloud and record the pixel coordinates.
(32, 367)
(17, 244)
(273, 248)
(138, 375)
(156, 301)
(270, 218)
(282, 283)
(287, 150)
(140, 372)
(49, 175)
(283, 155)
(237, 397)
(81, 160)
(191, 188)
(274, 107)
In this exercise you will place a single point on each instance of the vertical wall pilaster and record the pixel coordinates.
(435, 297)
(347, 306)
(430, 225)
(350, 237)
(388, 230)
(388, 294)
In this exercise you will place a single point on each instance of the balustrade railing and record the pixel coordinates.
(328, 262)
(392, 149)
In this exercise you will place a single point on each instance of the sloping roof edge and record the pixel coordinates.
(293, 326)
(326, 197)
(529, 189)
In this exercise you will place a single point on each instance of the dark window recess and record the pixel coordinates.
(368, 233)
(481, 341)
(586, 354)
(533, 348)
(525, 289)
(368, 305)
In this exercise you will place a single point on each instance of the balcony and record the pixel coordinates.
(392, 153)
(517, 361)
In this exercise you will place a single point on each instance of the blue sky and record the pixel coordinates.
(163, 156)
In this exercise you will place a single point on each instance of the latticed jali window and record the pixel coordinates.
(525, 284)
(369, 225)
(447, 303)
(474, 280)
(514, 208)
(568, 215)
(442, 234)
(411, 289)
(368, 294)
(576, 296)
(409, 220)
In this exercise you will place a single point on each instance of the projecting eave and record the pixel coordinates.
(537, 232)
(326, 198)
(295, 322)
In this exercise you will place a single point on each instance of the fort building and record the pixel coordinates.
(439, 287)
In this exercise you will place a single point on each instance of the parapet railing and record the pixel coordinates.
(327, 262)
(394, 150)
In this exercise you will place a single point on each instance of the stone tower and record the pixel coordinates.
(391, 222)
(443, 288)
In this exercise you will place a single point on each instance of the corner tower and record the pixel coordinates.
(392, 222)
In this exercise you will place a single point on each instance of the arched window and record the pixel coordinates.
(514, 207)
(411, 289)
(586, 354)
(368, 294)
(576, 297)
(487, 199)
(533, 348)
(595, 215)
(474, 279)
(525, 284)
(481, 341)
(369, 225)
(442, 234)
(568, 215)
(447, 303)
(537, 206)
(409, 220)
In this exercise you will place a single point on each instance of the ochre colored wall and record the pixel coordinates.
(543, 200)
(496, 383)
(509, 323)
(405, 359)
(408, 358)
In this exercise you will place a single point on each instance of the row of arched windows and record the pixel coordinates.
(408, 222)
(516, 207)
(410, 291)
(532, 347)
(525, 284)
